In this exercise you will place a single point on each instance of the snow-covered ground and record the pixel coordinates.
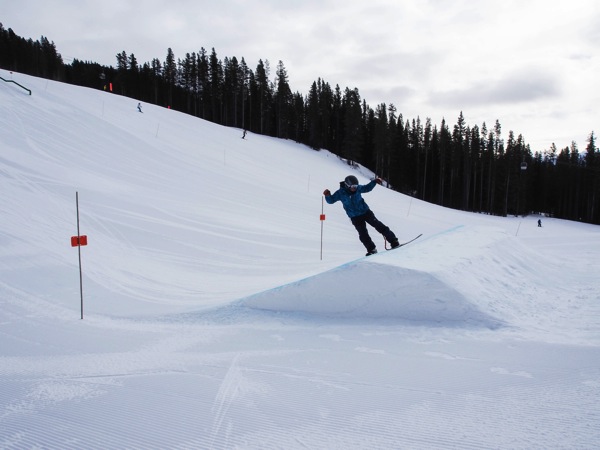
(211, 321)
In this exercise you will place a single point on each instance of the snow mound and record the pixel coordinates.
(448, 279)
(390, 293)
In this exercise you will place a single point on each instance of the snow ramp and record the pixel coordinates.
(463, 277)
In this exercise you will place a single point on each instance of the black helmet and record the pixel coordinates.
(350, 181)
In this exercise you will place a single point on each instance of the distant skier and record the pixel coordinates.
(139, 107)
(539, 222)
(359, 212)
(244, 135)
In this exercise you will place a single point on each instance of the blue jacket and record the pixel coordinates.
(353, 202)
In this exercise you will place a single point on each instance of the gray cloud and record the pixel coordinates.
(526, 86)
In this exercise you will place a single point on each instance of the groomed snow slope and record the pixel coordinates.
(212, 322)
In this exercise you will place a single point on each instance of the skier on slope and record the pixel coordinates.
(359, 212)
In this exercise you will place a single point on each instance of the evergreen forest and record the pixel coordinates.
(464, 166)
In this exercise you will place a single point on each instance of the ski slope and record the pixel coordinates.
(212, 322)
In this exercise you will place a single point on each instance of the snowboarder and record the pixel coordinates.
(139, 107)
(359, 212)
(539, 222)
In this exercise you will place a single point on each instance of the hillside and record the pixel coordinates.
(211, 320)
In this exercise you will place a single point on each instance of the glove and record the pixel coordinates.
(378, 180)
(326, 192)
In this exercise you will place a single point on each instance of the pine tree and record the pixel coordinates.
(475, 167)
(51, 64)
(445, 144)
(156, 74)
(216, 82)
(283, 98)
(352, 113)
(170, 75)
(231, 83)
(244, 74)
(592, 172)
(312, 118)
(263, 96)
(380, 140)
(427, 144)
(203, 83)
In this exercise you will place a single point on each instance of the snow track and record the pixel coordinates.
(275, 399)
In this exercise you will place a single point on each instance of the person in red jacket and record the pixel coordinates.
(350, 194)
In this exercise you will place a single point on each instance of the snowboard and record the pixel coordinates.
(405, 243)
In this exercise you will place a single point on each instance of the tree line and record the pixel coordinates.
(461, 166)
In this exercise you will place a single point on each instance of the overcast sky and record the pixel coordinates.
(532, 64)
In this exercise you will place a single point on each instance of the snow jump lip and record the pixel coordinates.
(392, 293)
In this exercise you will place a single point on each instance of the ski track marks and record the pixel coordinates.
(291, 385)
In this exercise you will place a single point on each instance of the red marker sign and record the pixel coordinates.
(77, 241)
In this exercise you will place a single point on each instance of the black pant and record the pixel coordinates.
(360, 223)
